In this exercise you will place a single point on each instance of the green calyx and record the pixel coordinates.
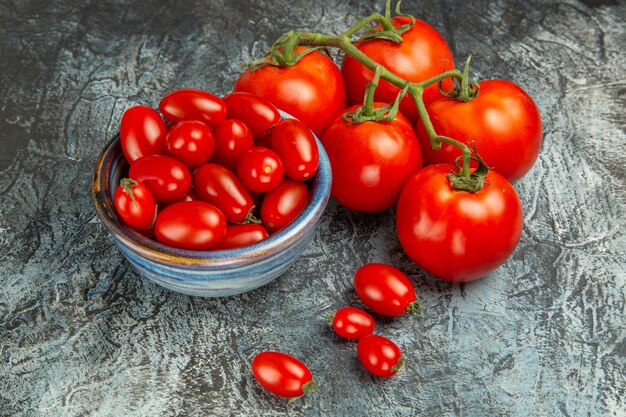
(398, 366)
(413, 308)
(127, 185)
(308, 388)
(462, 91)
(282, 53)
(250, 218)
(473, 182)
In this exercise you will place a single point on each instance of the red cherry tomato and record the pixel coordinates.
(232, 137)
(312, 90)
(238, 235)
(503, 122)
(296, 146)
(283, 204)
(192, 104)
(457, 235)
(352, 323)
(142, 132)
(219, 186)
(422, 54)
(191, 142)
(385, 290)
(371, 161)
(167, 178)
(257, 113)
(192, 225)
(379, 355)
(282, 374)
(135, 204)
(260, 169)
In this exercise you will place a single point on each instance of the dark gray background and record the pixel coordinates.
(82, 334)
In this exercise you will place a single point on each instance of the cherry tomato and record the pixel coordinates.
(422, 54)
(260, 169)
(232, 137)
(142, 132)
(457, 235)
(296, 146)
(135, 204)
(385, 290)
(502, 120)
(352, 323)
(371, 161)
(257, 113)
(238, 235)
(282, 374)
(167, 178)
(192, 104)
(192, 225)
(312, 90)
(379, 355)
(283, 204)
(191, 142)
(219, 186)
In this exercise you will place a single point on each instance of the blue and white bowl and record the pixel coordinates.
(207, 273)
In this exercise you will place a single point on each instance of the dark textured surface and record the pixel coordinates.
(82, 334)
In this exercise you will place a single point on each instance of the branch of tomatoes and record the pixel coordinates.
(282, 54)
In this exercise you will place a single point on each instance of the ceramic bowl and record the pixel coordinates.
(207, 273)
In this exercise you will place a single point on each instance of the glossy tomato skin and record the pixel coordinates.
(312, 90)
(138, 210)
(422, 54)
(232, 137)
(294, 142)
(192, 225)
(167, 178)
(384, 289)
(371, 161)
(502, 120)
(456, 235)
(192, 104)
(379, 355)
(257, 113)
(239, 235)
(281, 374)
(142, 132)
(353, 323)
(283, 204)
(191, 142)
(219, 186)
(260, 169)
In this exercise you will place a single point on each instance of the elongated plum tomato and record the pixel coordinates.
(422, 54)
(503, 122)
(257, 113)
(296, 146)
(385, 290)
(352, 323)
(192, 225)
(457, 235)
(142, 132)
(191, 142)
(283, 204)
(371, 161)
(135, 204)
(219, 186)
(260, 169)
(167, 178)
(312, 90)
(232, 137)
(379, 355)
(192, 104)
(239, 235)
(282, 374)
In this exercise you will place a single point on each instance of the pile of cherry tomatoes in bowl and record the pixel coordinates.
(213, 173)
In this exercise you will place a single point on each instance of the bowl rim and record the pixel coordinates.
(168, 255)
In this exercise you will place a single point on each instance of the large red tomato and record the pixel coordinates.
(312, 90)
(371, 161)
(502, 120)
(422, 54)
(457, 235)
